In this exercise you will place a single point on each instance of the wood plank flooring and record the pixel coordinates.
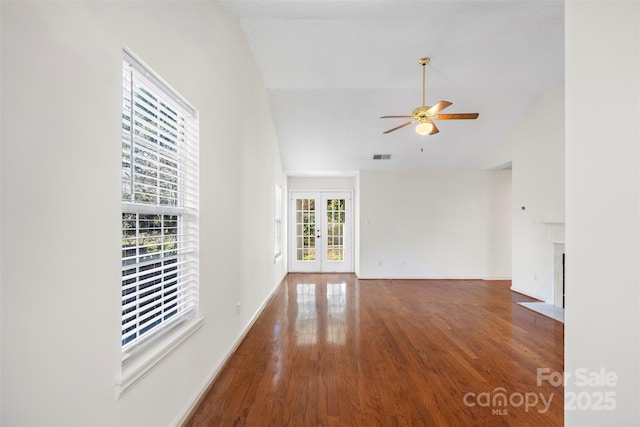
(332, 350)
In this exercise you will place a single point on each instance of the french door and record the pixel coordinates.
(321, 232)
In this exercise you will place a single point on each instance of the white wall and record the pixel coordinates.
(435, 224)
(261, 170)
(602, 327)
(60, 199)
(536, 151)
(321, 183)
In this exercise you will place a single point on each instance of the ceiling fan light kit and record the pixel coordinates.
(425, 115)
(424, 128)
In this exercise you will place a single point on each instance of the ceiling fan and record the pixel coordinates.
(426, 114)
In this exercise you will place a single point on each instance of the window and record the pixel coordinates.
(277, 234)
(159, 208)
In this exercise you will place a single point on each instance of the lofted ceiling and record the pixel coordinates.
(332, 68)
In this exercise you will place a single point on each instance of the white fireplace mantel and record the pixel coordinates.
(556, 229)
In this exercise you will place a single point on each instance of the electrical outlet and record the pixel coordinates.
(238, 308)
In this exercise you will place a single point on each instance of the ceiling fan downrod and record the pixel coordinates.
(424, 61)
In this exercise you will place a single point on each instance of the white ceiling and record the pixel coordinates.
(332, 68)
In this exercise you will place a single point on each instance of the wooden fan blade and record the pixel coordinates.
(438, 107)
(396, 117)
(434, 130)
(398, 127)
(456, 116)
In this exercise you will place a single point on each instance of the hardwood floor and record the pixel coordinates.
(332, 350)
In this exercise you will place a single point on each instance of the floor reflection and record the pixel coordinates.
(321, 312)
(337, 313)
(306, 320)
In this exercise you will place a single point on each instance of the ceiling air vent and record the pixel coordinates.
(381, 156)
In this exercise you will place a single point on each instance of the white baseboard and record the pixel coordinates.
(184, 414)
(528, 294)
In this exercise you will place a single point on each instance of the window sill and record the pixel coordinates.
(137, 367)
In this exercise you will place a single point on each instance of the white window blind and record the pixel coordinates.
(159, 207)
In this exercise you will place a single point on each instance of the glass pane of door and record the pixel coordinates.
(335, 214)
(305, 229)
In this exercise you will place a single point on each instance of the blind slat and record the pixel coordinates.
(175, 297)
